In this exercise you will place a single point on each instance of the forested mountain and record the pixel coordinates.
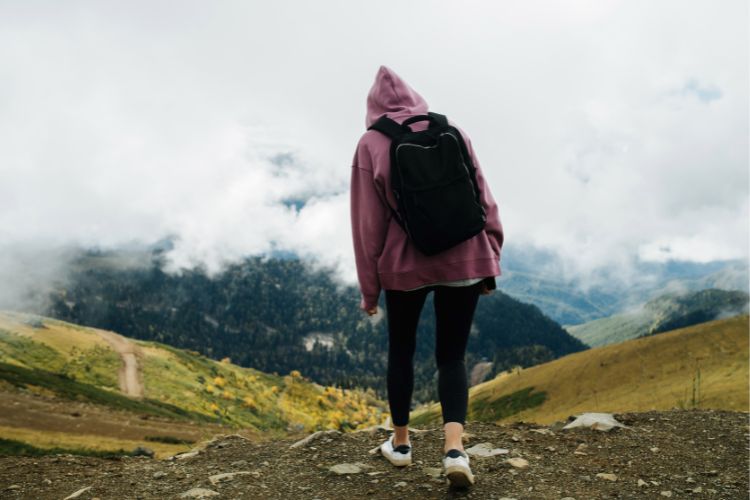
(267, 314)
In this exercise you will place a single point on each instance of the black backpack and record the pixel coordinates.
(434, 182)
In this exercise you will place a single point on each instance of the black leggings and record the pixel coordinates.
(454, 312)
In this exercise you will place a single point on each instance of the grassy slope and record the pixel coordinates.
(178, 383)
(612, 329)
(658, 372)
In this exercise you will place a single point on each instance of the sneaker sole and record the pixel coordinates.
(458, 476)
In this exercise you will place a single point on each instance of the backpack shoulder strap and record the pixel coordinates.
(389, 127)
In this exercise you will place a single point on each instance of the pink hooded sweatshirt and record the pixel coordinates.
(385, 256)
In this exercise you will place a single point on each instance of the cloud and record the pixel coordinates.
(607, 135)
(705, 93)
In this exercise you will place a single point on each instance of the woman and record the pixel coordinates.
(387, 260)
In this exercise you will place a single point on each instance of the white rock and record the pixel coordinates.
(596, 421)
(227, 476)
(607, 476)
(400, 484)
(543, 431)
(518, 463)
(581, 449)
(485, 450)
(78, 493)
(315, 436)
(433, 471)
(187, 454)
(642, 483)
(666, 493)
(345, 469)
(199, 493)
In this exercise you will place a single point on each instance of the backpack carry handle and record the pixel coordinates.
(434, 118)
(393, 129)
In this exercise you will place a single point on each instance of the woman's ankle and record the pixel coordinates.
(401, 435)
(448, 447)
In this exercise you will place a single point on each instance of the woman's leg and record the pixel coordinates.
(403, 309)
(454, 312)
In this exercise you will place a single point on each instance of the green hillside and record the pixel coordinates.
(52, 360)
(663, 313)
(701, 366)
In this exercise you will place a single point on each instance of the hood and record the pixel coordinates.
(391, 95)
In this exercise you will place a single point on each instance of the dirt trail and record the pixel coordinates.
(677, 454)
(129, 375)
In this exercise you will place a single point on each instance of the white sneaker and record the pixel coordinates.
(456, 468)
(398, 456)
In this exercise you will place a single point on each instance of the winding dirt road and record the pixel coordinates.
(129, 374)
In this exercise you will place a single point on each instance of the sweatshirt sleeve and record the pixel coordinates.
(493, 226)
(369, 221)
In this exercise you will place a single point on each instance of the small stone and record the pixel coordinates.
(518, 462)
(142, 451)
(515, 439)
(666, 493)
(199, 493)
(550, 448)
(400, 484)
(486, 450)
(607, 476)
(581, 449)
(433, 471)
(159, 474)
(690, 480)
(78, 493)
(345, 469)
(654, 449)
(187, 454)
(642, 483)
(227, 476)
(697, 489)
(14, 487)
(567, 498)
(315, 436)
(543, 431)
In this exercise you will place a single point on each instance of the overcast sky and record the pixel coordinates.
(608, 131)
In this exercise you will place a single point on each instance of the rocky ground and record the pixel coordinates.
(677, 454)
